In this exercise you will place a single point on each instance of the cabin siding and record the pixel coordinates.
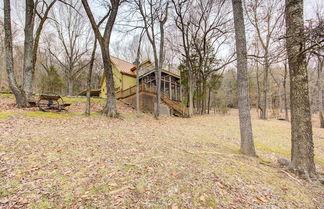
(128, 81)
(122, 82)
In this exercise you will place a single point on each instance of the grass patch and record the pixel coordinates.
(43, 203)
(271, 149)
(6, 96)
(4, 192)
(58, 114)
(5, 115)
(71, 100)
(48, 114)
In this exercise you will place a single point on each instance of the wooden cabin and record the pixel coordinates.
(125, 87)
(170, 80)
(124, 76)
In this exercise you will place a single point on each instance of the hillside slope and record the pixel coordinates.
(56, 162)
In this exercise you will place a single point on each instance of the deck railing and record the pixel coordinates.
(132, 90)
(177, 106)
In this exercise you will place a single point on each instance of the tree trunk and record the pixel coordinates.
(110, 108)
(21, 100)
(70, 84)
(161, 61)
(28, 48)
(209, 93)
(137, 62)
(158, 77)
(280, 98)
(302, 152)
(265, 88)
(158, 90)
(203, 96)
(191, 104)
(137, 87)
(285, 93)
(258, 92)
(31, 43)
(88, 110)
(247, 144)
(320, 91)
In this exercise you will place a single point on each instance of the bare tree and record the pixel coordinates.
(302, 152)
(34, 10)
(73, 35)
(110, 108)
(285, 90)
(266, 18)
(154, 14)
(92, 59)
(18, 92)
(182, 20)
(320, 79)
(315, 49)
(40, 10)
(209, 29)
(46, 59)
(204, 28)
(247, 145)
(137, 63)
(2, 54)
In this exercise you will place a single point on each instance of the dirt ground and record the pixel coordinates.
(67, 160)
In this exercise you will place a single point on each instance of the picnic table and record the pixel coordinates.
(51, 102)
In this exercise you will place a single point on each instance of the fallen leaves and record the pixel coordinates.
(98, 162)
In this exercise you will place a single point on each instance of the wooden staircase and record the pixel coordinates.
(178, 108)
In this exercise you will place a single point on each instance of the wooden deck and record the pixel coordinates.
(178, 108)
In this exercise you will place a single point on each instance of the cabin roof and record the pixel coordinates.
(147, 67)
(124, 66)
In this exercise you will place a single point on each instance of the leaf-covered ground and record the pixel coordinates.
(66, 160)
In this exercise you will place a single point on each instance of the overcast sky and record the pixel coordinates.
(310, 6)
(18, 13)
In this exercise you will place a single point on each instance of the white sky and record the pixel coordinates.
(310, 7)
(18, 14)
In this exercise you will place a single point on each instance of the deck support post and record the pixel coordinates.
(170, 88)
(164, 85)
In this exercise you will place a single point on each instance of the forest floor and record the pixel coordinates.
(67, 160)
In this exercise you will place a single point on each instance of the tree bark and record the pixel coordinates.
(88, 104)
(137, 62)
(19, 93)
(302, 152)
(258, 92)
(161, 61)
(110, 108)
(280, 98)
(265, 88)
(247, 144)
(209, 93)
(191, 102)
(203, 95)
(137, 87)
(31, 44)
(28, 48)
(70, 84)
(320, 91)
(285, 93)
